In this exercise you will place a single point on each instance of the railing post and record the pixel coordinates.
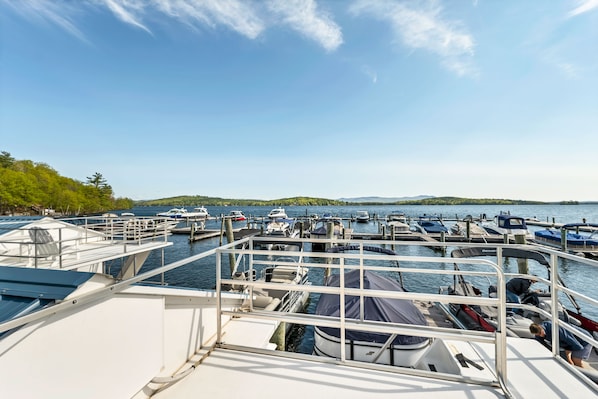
(341, 298)
(218, 298)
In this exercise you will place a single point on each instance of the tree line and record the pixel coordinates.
(32, 188)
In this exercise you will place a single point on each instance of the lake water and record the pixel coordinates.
(201, 274)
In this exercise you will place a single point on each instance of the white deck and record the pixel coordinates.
(533, 373)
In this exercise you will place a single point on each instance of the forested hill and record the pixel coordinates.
(28, 187)
(197, 200)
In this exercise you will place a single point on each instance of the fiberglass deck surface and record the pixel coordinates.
(235, 374)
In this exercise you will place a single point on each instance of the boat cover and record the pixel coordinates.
(375, 309)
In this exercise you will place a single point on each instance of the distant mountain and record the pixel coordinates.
(385, 199)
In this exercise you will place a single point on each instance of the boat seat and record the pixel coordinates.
(44, 244)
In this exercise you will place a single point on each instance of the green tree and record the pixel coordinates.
(6, 161)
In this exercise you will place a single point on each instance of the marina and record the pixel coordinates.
(140, 279)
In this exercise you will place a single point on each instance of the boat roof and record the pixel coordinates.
(9, 223)
(24, 290)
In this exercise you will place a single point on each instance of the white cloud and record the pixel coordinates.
(583, 7)
(127, 11)
(248, 18)
(420, 25)
(234, 14)
(370, 73)
(304, 17)
(59, 14)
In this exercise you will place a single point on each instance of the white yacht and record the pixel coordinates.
(277, 213)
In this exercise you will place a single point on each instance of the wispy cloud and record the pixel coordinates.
(127, 11)
(370, 73)
(248, 18)
(421, 25)
(304, 17)
(583, 7)
(60, 14)
(233, 14)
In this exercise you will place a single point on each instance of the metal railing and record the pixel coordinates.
(53, 241)
(434, 265)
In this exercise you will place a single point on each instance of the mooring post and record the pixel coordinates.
(230, 236)
(521, 263)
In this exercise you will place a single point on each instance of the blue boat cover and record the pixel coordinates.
(23, 289)
(375, 309)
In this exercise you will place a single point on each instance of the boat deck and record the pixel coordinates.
(533, 372)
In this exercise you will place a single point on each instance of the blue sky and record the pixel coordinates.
(282, 98)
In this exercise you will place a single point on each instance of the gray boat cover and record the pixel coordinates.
(375, 309)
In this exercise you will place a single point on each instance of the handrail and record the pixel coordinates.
(57, 239)
(499, 337)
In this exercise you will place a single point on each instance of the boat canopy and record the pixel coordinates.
(27, 289)
(375, 309)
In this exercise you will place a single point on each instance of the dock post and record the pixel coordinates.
(564, 240)
(230, 236)
(521, 263)
(468, 229)
(443, 239)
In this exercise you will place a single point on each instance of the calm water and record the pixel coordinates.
(201, 274)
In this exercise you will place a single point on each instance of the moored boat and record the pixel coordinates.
(362, 217)
(172, 343)
(505, 224)
(277, 213)
(236, 216)
(569, 237)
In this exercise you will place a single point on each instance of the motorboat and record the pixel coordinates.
(571, 237)
(237, 216)
(322, 230)
(486, 317)
(396, 222)
(509, 225)
(468, 228)
(396, 216)
(430, 225)
(175, 213)
(150, 338)
(277, 213)
(282, 270)
(280, 228)
(362, 217)
(199, 212)
(395, 349)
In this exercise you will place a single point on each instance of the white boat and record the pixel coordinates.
(88, 335)
(175, 213)
(236, 216)
(199, 212)
(506, 224)
(396, 222)
(326, 227)
(277, 213)
(468, 228)
(280, 228)
(362, 217)
(282, 270)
